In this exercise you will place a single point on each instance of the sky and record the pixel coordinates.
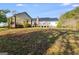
(39, 9)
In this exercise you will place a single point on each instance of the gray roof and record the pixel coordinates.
(46, 19)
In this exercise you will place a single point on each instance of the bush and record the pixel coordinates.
(19, 26)
(25, 25)
(59, 24)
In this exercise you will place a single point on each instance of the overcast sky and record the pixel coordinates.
(41, 10)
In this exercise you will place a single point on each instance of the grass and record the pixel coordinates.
(77, 34)
(2, 29)
(35, 41)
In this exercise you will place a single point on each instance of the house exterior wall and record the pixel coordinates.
(45, 23)
(20, 19)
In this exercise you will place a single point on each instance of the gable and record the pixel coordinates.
(23, 15)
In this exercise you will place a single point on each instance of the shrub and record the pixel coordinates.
(25, 24)
(19, 26)
(59, 24)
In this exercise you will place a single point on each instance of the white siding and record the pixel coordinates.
(47, 23)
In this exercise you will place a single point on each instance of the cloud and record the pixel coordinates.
(75, 5)
(65, 4)
(72, 4)
(19, 5)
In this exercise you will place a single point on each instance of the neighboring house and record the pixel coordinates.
(3, 24)
(19, 19)
(46, 22)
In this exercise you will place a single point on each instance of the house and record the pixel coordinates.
(18, 20)
(45, 22)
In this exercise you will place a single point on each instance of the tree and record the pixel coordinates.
(3, 17)
(70, 15)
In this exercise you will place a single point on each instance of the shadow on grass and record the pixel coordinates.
(34, 43)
